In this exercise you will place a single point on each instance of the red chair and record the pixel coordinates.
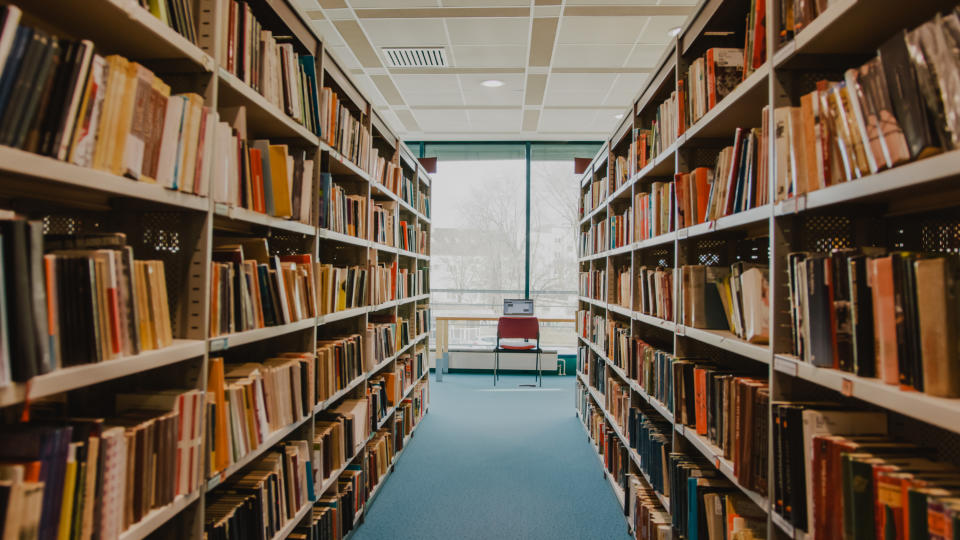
(517, 328)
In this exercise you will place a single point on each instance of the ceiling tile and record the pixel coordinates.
(572, 120)
(601, 30)
(656, 31)
(645, 55)
(492, 96)
(581, 82)
(489, 55)
(427, 83)
(367, 87)
(442, 120)
(393, 3)
(495, 120)
(614, 2)
(625, 89)
(605, 121)
(405, 32)
(570, 55)
(418, 99)
(345, 57)
(481, 31)
(485, 3)
(329, 35)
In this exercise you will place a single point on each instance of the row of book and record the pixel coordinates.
(67, 477)
(61, 99)
(606, 442)
(641, 150)
(342, 288)
(795, 15)
(410, 283)
(736, 184)
(265, 498)
(710, 78)
(381, 451)
(654, 211)
(621, 173)
(621, 288)
(593, 284)
(592, 328)
(268, 63)
(422, 320)
(596, 193)
(645, 514)
(385, 172)
(67, 300)
(382, 222)
(893, 109)
(177, 14)
(655, 291)
(385, 335)
(414, 237)
(251, 289)
(423, 204)
(734, 298)
(878, 314)
(618, 342)
(253, 400)
(594, 239)
(340, 211)
(410, 411)
(272, 179)
(620, 227)
(840, 473)
(343, 130)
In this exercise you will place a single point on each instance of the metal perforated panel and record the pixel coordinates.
(824, 233)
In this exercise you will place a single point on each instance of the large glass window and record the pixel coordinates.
(478, 249)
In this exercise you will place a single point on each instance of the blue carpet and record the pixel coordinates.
(504, 465)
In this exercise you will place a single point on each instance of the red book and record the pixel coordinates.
(711, 80)
(256, 181)
(701, 180)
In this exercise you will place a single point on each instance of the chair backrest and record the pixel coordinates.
(518, 328)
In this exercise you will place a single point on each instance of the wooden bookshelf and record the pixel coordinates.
(844, 36)
(184, 227)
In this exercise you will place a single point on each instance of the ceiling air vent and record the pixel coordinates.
(415, 57)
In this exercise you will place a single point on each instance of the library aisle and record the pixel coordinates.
(497, 463)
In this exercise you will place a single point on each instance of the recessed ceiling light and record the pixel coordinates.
(674, 31)
(492, 83)
(618, 116)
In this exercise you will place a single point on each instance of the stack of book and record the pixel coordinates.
(76, 476)
(617, 396)
(621, 173)
(653, 369)
(651, 437)
(103, 112)
(731, 298)
(253, 400)
(339, 362)
(411, 410)
(423, 204)
(251, 289)
(618, 347)
(382, 337)
(268, 63)
(878, 314)
(620, 228)
(341, 212)
(407, 190)
(654, 211)
(641, 149)
(669, 122)
(345, 131)
(329, 447)
(265, 498)
(880, 115)
(342, 288)
(655, 291)
(271, 179)
(596, 193)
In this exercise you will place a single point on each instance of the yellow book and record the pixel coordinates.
(116, 79)
(147, 340)
(342, 293)
(189, 140)
(69, 487)
(280, 181)
(134, 72)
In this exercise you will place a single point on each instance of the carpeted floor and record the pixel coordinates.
(506, 464)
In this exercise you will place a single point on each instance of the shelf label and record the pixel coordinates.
(219, 344)
(681, 330)
(221, 209)
(846, 387)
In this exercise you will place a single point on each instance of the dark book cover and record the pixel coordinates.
(843, 321)
(50, 94)
(861, 317)
(819, 308)
(22, 86)
(11, 69)
(25, 361)
(905, 97)
(36, 90)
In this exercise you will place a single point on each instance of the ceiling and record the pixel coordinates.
(569, 67)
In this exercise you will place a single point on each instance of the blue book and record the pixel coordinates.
(326, 192)
(12, 68)
(310, 70)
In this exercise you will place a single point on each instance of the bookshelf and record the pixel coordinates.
(182, 230)
(910, 206)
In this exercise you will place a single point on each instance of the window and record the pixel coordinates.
(479, 240)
